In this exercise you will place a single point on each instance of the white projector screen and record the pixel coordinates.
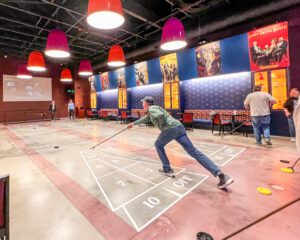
(29, 90)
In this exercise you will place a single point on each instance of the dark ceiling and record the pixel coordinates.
(24, 25)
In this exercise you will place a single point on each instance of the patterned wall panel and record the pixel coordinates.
(218, 92)
(155, 91)
(108, 99)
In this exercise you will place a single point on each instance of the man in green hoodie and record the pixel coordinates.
(172, 129)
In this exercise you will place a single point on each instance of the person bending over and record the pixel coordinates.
(172, 129)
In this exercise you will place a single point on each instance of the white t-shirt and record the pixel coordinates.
(297, 124)
(259, 103)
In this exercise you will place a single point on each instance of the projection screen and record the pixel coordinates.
(26, 90)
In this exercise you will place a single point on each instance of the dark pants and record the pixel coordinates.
(71, 114)
(52, 114)
(179, 134)
(291, 127)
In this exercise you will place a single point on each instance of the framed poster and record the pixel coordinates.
(262, 79)
(169, 68)
(93, 100)
(172, 96)
(208, 58)
(104, 81)
(279, 87)
(122, 98)
(92, 81)
(121, 80)
(269, 47)
(141, 74)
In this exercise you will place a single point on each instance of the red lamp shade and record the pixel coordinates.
(116, 56)
(85, 68)
(66, 75)
(36, 62)
(105, 14)
(23, 73)
(57, 44)
(173, 35)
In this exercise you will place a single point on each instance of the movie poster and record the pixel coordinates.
(169, 68)
(261, 79)
(121, 80)
(104, 81)
(269, 47)
(92, 81)
(209, 59)
(141, 74)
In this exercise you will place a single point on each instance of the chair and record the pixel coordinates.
(216, 121)
(105, 115)
(247, 128)
(125, 117)
(4, 207)
(187, 120)
(91, 115)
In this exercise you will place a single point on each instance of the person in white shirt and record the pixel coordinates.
(259, 104)
(71, 108)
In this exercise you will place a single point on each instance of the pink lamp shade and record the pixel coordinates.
(23, 73)
(116, 56)
(36, 62)
(105, 14)
(57, 44)
(85, 68)
(66, 75)
(173, 35)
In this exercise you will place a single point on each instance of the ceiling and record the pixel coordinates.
(25, 24)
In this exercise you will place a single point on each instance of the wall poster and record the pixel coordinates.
(169, 68)
(121, 79)
(208, 59)
(269, 47)
(262, 79)
(172, 96)
(279, 87)
(141, 74)
(122, 98)
(104, 81)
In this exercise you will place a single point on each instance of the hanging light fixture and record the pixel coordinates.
(66, 75)
(116, 56)
(57, 44)
(173, 35)
(85, 68)
(23, 73)
(36, 62)
(105, 14)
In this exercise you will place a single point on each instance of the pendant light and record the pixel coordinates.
(85, 68)
(116, 56)
(173, 35)
(36, 62)
(57, 44)
(23, 73)
(105, 14)
(66, 75)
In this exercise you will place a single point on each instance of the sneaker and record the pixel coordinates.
(268, 142)
(258, 143)
(225, 180)
(293, 139)
(169, 173)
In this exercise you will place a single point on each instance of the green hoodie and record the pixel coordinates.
(159, 117)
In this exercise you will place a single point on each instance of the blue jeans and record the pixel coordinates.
(291, 127)
(261, 124)
(179, 134)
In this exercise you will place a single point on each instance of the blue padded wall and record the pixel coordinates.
(235, 54)
(187, 64)
(108, 99)
(155, 91)
(218, 92)
(154, 72)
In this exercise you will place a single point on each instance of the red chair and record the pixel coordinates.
(4, 207)
(125, 117)
(105, 115)
(216, 121)
(187, 120)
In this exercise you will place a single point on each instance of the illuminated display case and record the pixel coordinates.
(122, 98)
(172, 96)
